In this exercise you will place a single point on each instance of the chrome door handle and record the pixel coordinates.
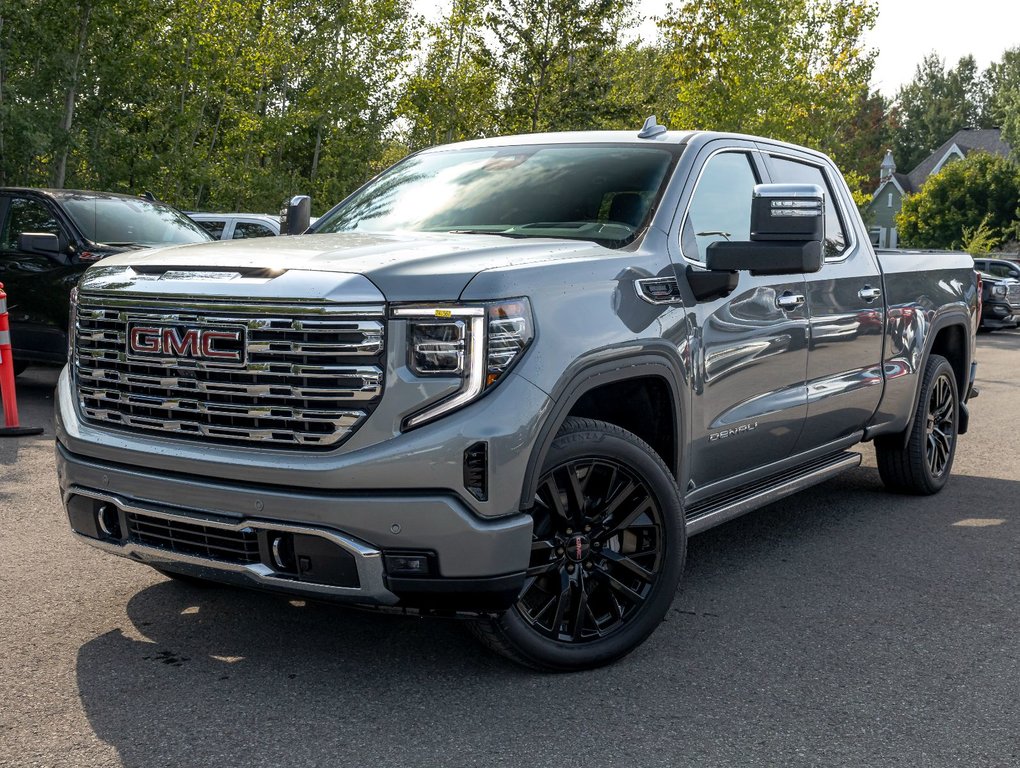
(868, 293)
(790, 300)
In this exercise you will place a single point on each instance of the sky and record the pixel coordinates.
(905, 32)
(908, 30)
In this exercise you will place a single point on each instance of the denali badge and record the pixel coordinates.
(742, 429)
(225, 344)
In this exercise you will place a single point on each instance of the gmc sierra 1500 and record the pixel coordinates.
(507, 378)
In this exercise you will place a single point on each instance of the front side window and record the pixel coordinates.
(26, 215)
(214, 227)
(793, 172)
(721, 206)
(601, 193)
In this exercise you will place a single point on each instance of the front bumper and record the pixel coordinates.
(226, 531)
(999, 314)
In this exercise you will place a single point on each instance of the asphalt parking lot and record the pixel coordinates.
(840, 627)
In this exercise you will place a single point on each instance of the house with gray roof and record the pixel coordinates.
(893, 186)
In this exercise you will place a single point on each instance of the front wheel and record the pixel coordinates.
(607, 553)
(922, 464)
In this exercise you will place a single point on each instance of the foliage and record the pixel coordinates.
(981, 240)
(934, 105)
(451, 94)
(981, 191)
(225, 104)
(552, 59)
(788, 69)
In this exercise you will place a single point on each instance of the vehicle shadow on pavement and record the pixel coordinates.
(826, 607)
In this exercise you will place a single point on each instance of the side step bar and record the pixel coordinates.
(730, 504)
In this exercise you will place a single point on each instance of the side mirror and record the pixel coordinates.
(43, 244)
(787, 231)
(296, 215)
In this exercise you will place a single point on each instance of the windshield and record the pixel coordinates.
(130, 221)
(600, 193)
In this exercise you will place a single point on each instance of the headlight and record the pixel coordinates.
(478, 344)
(998, 290)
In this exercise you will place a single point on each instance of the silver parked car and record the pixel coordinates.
(237, 226)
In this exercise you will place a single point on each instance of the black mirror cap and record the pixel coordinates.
(767, 258)
(39, 242)
(710, 284)
(788, 212)
(296, 215)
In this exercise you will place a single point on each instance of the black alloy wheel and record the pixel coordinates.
(940, 426)
(920, 461)
(607, 553)
(596, 552)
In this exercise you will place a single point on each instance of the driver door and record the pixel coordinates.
(38, 286)
(751, 347)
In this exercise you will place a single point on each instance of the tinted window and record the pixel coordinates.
(721, 206)
(792, 172)
(245, 229)
(213, 226)
(25, 215)
(601, 193)
(131, 221)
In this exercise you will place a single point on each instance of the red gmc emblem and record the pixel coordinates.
(222, 344)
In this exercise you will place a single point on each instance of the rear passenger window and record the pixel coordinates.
(721, 206)
(246, 229)
(793, 172)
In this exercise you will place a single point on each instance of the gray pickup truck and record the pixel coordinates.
(506, 379)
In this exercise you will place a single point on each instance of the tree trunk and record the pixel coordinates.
(60, 171)
(315, 154)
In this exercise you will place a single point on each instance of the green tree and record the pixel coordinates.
(788, 69)
(553, 59)
(451, 94)
(980, 193)
(934, 105)
(861, 141)
(1002, 89)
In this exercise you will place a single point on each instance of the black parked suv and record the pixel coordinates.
(1000, 301)
(48, 237)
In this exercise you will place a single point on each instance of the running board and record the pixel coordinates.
(730, 504)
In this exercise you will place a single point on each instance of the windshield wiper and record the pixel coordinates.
(484, 232)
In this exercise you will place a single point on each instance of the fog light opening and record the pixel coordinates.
(108, 521)
(409, 563)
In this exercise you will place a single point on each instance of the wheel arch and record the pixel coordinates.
(588, 384)
(947, 337)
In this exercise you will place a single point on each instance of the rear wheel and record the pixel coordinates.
(922, 465)
(607, 553)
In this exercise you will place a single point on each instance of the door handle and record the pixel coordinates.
(790, 300)
(869, 294)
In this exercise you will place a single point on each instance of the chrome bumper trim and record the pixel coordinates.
(372, 589)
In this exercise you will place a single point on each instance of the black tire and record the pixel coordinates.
(20, 366)
(608, 551)
(922, 465)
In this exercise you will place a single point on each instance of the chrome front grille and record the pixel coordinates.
(310, 377)
(1013, 295)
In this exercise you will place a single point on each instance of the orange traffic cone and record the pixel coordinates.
(7, 393)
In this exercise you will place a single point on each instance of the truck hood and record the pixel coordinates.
(403, 267)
